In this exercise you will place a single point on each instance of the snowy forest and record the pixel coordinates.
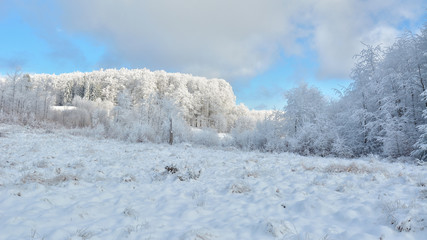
(383, 111)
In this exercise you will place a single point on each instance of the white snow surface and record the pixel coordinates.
(54, 185)
(62, 108)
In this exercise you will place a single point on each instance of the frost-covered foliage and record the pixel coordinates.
(23, 101)
(136, 105)
(384, 106)
(307, 127)
(381, 112)
(203, 102)
(421, 144)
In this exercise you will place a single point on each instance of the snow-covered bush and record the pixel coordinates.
(239, 187)
(207, 137)
(71, 117)
(349, 168)
(253, 133)
(142, 133)
(185, 173)
(405, 217)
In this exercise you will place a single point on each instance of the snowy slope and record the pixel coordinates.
(57, 186)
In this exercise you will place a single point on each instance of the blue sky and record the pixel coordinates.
(262, 48)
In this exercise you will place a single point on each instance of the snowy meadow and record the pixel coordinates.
(55, 184)
(141, 154)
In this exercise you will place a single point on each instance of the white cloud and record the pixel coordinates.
(216, 38)
(341, 26)
(239, 38)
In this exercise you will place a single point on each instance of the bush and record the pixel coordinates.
(207, 137)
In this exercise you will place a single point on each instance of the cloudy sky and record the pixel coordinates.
(262, 47)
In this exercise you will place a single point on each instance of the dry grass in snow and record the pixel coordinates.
(57, 186)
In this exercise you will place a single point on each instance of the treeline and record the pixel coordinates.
(380, 113)
(203, 102)
(136, 105)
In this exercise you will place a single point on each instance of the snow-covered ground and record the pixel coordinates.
(54, 185)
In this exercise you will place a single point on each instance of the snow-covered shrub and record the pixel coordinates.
(244, 139)
(84, 234)
(35, 177)
(239, 187)
(350, 168)
(183, 174)
(135, 133)
(340, 148)
(199, 234)
(97, 131)
(130, 212)
(271, 135)
(171, 169)
(243, 131)
(311, 139)
(252, 133)
(207, 137)
(42, 164)
(128, 178)
(405, 217)
(71, 118)
(279, 229)
(98, 110)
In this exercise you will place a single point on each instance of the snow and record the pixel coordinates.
(62, 108)
(54, 185)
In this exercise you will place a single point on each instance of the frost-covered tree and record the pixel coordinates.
(308, 129)
(202, 102)
(304, 105)
(23, 99)
(380, 113)
(420, 151)
(382, 110)
(364, 95)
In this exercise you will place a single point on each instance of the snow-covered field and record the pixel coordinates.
(54, 185)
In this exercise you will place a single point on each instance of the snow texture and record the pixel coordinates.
(54, 185)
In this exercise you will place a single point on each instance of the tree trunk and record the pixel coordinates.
(170, 132)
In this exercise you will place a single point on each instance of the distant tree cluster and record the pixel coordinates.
(203, 103)
(22, 101)
(380, 113)
(384, 111)
(136, 105)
